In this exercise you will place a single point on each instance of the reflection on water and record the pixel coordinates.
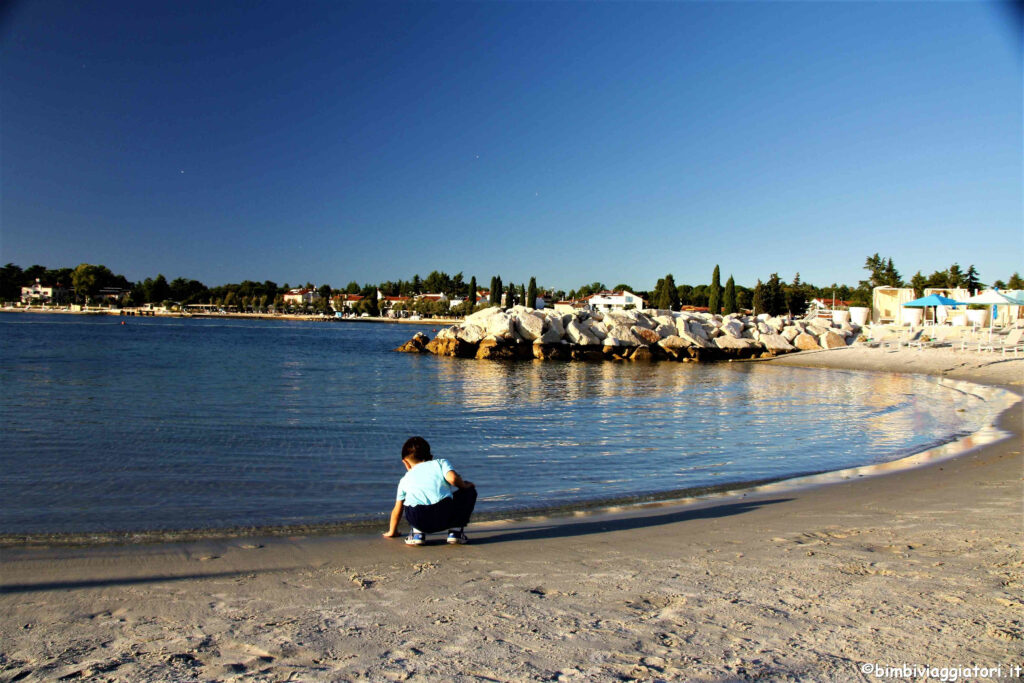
(189, 423)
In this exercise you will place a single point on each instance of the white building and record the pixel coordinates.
(301, 296)
(45, 294)
(615, 301)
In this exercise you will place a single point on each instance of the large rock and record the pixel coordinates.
(695, 330)
(675, 342)
(733, 328)
(831, 340)
(775, 324)
(644, 321)
(776, 344)
(543, 351)
(736, 347)
(470, 334)
(529, 326)
(451, 346)
(728, 342)
(817, 329)
(806, 342)
(595, 328)
(415, 345)
(623, 336)
(642, 353)
(500, 326)
(791, 333)
(575, 333)
(553, 321)
(646, 335)
(493, 349)
(552, 336)
(666, 330)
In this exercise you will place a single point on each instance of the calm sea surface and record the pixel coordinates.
(169, 424)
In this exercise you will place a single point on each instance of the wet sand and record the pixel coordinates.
(920, 567)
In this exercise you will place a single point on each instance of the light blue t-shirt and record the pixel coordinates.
(425, 484)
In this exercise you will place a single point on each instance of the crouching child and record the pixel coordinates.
(432, 495)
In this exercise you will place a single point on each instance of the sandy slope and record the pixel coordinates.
(921, 567)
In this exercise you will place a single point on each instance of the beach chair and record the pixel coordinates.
(910, 338)
(940, 336)
(1011, 343)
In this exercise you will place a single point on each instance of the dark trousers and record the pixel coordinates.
(450, 513)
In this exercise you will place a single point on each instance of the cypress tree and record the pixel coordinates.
(760, 298)
(472, 292)
(730, 297)
(531, 293)
(715, 292)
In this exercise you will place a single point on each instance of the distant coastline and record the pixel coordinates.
(122, 313)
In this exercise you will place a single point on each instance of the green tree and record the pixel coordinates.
(760, 300)
(12, 279)
(715, 292)
(744, 299)
(1015, 282)
(497, 290)
(776, 295)
(531, 293)
(87, 279)
(472, 292)
(494, 288)
(729, 304)
(971, 280)
(796, 296)
(918, 282)
(955, 277)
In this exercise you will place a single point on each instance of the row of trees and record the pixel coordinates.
(772, 296)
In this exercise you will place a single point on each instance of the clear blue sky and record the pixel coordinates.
(332, 141)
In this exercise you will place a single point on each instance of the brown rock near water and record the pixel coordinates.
(646, 335)
(806, 342)
(831, 340)
(415, 345)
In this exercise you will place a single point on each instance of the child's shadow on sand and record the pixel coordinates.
(562, 529)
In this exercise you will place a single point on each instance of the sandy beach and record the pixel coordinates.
(919, 568)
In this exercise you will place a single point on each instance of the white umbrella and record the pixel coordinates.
(991, 297)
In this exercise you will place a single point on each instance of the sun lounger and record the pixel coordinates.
(1011, 343)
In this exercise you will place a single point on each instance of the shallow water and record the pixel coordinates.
(170, 424)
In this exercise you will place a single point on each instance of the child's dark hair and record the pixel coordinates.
(417, 449)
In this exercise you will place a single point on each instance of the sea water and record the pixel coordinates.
(190, 423)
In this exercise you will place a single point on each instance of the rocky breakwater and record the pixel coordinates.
(525, 333)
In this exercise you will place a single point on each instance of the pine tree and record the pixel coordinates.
(955, 277)
(531, 293)
(472, 292)
(729, 300)
(971, 280)
(715, 292)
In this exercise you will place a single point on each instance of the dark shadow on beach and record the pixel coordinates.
(611, 523)
(10, 588)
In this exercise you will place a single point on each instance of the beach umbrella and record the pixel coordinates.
(993, 298)
(932, 301)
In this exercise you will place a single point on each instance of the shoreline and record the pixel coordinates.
(920, 566)
(951, 447)
(945, 448)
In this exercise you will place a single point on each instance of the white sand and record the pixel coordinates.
(922, 567)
